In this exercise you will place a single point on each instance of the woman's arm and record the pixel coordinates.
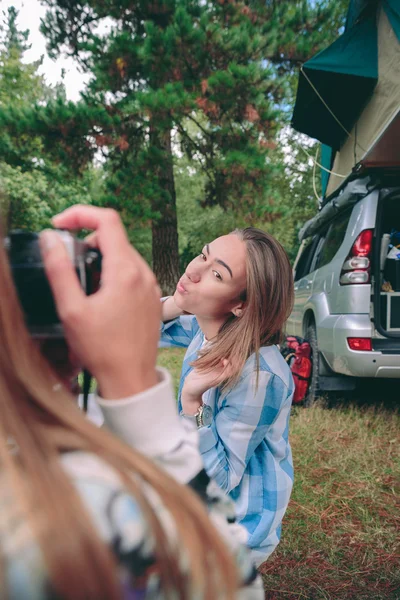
(244, 420)
(170, 310)
(177, 328)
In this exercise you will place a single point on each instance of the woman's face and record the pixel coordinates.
(213, 282)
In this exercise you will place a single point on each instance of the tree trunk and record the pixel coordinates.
(165, 229)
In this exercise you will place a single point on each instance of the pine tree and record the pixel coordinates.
(207, 78)
(33, 185)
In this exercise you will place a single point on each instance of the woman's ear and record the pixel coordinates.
(238, 310)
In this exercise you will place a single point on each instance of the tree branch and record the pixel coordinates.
(205, 166)
(206, 133)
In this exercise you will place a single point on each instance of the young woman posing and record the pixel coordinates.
(234, 382)
(85, 515)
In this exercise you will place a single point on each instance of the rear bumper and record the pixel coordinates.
(380, 363)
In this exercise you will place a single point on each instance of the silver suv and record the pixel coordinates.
(352, 324)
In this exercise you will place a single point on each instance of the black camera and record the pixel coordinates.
(31, 282)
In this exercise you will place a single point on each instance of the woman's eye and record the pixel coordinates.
(203, 256)
(217, 275)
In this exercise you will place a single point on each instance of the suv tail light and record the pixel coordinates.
(357, 267)
(360, 344)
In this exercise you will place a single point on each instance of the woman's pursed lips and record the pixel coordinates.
(181, 288)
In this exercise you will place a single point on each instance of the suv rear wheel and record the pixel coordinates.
(313, 390)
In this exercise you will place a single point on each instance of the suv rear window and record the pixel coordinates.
(333, 239)
(304, 264)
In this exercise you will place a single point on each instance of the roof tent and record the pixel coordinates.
(335, 85)
(349, 94)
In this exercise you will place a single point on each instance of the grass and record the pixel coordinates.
(341, 532)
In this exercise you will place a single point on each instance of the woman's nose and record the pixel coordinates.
(193, 275)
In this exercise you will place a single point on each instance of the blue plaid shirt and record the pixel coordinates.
(246, 448)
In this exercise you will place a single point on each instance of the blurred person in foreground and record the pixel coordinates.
(90, 514)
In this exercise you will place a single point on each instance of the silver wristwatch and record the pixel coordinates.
(203, 417)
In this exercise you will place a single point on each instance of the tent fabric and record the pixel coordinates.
(335, 85)
(392, 9)
(358, 8)
(355, 10)
(382, 107)
(385, 152)
(326, 161)
(353, 53)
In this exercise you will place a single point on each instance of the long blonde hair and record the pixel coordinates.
(42, 425)
(268, 302)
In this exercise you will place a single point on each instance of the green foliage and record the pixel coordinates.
(215, 74)
(29, 198)
(294, 200)
(35, 180)
(20, 87)
(24, 204)
(19, 82)
(209, 82)
(282, 212)
(196, 226)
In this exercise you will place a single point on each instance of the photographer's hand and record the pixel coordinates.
(115, 331)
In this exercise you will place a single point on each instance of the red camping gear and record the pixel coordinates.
(297, 353)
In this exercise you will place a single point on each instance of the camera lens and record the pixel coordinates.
(30, 279)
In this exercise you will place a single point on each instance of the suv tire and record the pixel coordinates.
(313, 390)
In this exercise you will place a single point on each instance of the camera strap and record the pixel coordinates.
(87, 379)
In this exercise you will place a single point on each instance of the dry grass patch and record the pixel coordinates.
(341, 532)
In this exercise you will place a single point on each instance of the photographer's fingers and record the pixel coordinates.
(109, 236)
(61, 274)
(91, 240)
(110, 233)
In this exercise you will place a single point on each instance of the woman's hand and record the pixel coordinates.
(196, 383)
(115, 331)
(170, 310)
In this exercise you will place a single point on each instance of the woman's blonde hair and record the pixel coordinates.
(43, 424)
(268, 302)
